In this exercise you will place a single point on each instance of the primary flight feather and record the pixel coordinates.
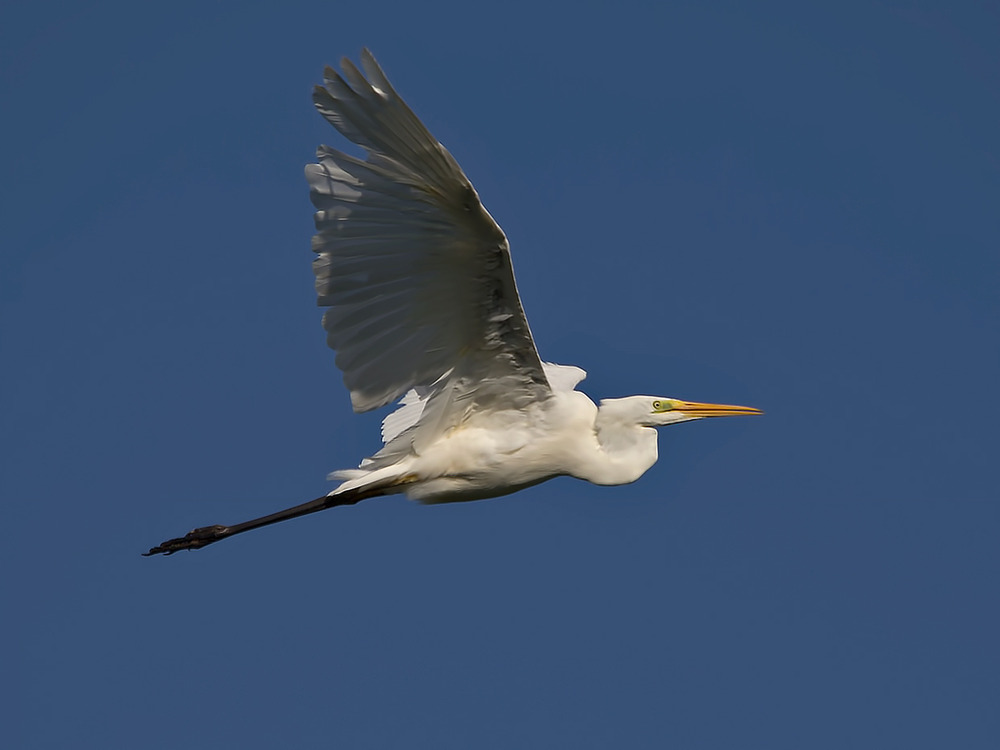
(421, 304)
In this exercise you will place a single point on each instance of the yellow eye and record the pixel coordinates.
(657, 405)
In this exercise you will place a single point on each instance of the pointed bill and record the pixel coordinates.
(697, 409)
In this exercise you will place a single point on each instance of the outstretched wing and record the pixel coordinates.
(416, 274)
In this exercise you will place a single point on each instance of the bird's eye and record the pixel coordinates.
(657, 405)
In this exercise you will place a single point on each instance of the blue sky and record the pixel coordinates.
(788, 207)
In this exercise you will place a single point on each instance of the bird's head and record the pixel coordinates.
(659, 411)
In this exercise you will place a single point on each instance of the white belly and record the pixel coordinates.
(497, 454)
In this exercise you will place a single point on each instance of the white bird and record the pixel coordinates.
(421, 303)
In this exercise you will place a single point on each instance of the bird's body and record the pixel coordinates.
(498, 453)
(421, 304)
(501, 452)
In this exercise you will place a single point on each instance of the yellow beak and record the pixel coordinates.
(696, 409)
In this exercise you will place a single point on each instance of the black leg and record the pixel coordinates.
(206, 535)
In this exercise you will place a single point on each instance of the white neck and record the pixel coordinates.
(626, 451)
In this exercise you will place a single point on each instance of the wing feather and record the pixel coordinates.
(414, 272)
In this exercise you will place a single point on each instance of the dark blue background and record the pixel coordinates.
(793, 206)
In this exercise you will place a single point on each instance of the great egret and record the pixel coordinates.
(417, 279)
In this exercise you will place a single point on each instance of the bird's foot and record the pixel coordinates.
(192, 540)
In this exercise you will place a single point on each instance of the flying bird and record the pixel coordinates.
(422, 306)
